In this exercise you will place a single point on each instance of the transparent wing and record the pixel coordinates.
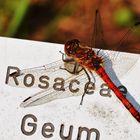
(49, 95)
(124, 62)
(36, 72)
(121, 62)
(97, 40)
(51, 70)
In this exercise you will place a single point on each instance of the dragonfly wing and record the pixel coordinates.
(46, 96)
(120, 66)
(97, 40)
(36, 72)
(51, 70)
(124, 62)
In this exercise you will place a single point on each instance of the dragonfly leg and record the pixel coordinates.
(67, 60)
(76, 65)
(86, 87)
(93, 76)
(75, 69)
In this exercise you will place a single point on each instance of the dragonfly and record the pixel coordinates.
(83, 59)
(90, 61)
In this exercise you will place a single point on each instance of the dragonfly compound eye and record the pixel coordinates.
(71, 47)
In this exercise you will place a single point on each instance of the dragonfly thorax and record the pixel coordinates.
(97, 62)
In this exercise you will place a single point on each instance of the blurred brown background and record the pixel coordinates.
(59, 21)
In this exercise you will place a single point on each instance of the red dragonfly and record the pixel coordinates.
(90, 61)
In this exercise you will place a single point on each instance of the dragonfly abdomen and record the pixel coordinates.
(101, 72)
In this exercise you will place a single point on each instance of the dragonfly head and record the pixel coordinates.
(71, 47)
